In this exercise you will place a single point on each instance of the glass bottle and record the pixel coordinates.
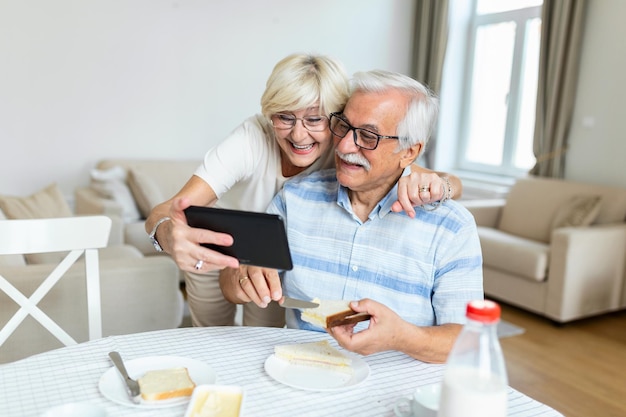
(475, 381)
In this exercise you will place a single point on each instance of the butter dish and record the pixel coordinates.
(216, 401)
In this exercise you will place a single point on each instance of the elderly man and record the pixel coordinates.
(347, 242)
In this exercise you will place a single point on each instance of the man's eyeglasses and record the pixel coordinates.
(363, 138)
(284, 121)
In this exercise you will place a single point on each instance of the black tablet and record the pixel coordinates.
(259, 238)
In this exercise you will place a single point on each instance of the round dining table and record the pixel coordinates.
(235, 356)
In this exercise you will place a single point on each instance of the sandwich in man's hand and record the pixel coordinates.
(331, 313)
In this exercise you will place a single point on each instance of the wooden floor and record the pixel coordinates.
(578, 368)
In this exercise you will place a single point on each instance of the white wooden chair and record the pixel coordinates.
(78, 235)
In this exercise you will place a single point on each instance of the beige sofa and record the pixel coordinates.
(138, 294)
(127, 189)
(555, 247)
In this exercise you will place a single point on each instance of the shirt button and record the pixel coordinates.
(355, 268)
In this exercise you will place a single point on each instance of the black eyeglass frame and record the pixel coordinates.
(338, 115)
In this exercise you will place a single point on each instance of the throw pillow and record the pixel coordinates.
(578, 212)
(145, 190)
(11, 260)
(46, 203)
(111, 184)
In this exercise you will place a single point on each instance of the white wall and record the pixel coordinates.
(598, 152)
(85, 80)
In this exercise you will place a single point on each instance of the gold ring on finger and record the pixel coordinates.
(241, 280)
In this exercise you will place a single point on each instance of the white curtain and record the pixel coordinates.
(562, 24)
(430, 39)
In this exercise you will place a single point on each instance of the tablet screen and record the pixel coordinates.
(259, 238)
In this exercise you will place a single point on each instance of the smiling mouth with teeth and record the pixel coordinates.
(303, 148)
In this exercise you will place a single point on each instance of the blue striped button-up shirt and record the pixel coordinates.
(425, 268)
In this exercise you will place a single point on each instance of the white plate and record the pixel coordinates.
(112, 385)
(316, 379)
(75, 409)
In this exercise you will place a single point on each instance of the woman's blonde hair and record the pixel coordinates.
(300, 81)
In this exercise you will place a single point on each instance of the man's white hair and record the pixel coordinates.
(420, 119)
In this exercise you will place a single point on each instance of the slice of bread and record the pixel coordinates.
(164, 384)
(319, 354)
(332, 313)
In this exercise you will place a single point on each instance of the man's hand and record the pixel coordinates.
(382, 333)
(388, 331)
(251, 284)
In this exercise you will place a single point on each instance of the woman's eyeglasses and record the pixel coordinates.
(284, 121)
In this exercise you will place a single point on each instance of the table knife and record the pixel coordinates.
(131, 385)
(289, 302)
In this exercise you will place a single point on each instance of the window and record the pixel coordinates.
(497, 118)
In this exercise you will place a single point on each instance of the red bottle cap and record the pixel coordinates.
(485, 311)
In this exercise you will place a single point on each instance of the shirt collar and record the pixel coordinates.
(382, 208)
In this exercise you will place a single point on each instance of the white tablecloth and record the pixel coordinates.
(237, 354)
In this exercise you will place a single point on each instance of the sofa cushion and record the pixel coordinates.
(145, 190)
(516, 255)
(168, 175)
(532, 204)
(111, 183)
(114, 252)
(46, 203)
(137, 295)
(135, 234)
(11, 260)
(579, 211)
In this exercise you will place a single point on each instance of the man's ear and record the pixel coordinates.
(410, 155)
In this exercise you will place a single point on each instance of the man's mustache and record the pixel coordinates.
(354, 158)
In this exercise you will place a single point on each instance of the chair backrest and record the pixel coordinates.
(78, 235)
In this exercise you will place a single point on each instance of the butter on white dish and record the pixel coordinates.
(318, 354)
(164, 384)
(332, 313)
(215, 401)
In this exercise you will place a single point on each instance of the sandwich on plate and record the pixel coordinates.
(165, 384)
(318, 354)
